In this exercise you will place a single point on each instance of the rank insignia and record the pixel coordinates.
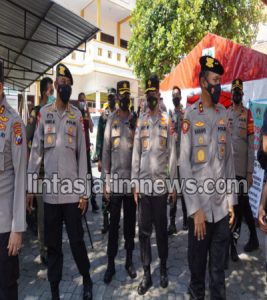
(49, 139)
(116, 142)
(200, 155)
(199, 124)
(2, 126)
(186, 126)
(200, 140)
(210, 62)
(2, 109)
(200, 107)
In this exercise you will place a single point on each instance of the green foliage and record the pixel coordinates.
(166, 30)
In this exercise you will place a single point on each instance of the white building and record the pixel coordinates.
(105, 61)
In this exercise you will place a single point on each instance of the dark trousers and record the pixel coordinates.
(9, 271)
(214, 245)
(243, 209)
(173, 206)
(54, 216)
(129, 220)
(89, 168)
(153, 210)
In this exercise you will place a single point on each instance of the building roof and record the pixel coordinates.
(34, 36)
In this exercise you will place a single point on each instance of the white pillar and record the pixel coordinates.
(97, 100)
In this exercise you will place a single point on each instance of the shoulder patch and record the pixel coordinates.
(17, 133)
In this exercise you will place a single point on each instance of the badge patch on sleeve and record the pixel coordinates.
(18, 133)
(186, 126)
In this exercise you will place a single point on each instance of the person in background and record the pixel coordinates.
(13, 163)
(46, 92)
(88, 126)
(177, 118)
(109, 109)
(242, 132)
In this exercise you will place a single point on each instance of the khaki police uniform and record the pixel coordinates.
(242, 131)
(59, 137)
(206, 153)
(154, 157)
(13, 161)
(117, 158)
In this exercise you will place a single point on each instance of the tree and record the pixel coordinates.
(166, 30)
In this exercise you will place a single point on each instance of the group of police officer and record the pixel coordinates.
(204, 142)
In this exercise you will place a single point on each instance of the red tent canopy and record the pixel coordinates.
(225, 99)
(238, 61)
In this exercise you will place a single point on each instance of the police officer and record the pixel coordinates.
(88, 126)
(206, 154)
(99, 147)
(59, 136)
(154, 159)
(13, 153)
(46, 91)
(117, 158)
(177, 118)
(242, 129)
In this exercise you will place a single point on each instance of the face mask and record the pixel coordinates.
(152, 102)
(214, 91)
(176, 100)
(124, 103)
(237, 98)
(82, 105)
(64, 92)
(111, 101)
(51, 99)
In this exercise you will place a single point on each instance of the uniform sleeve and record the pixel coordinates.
(136, 156)
(192, 201)
(37, 149)
(99, 138)
(19, 159)
(230, 167)
(172, 152)
(250, 132)
(81, 152)
(107, 148)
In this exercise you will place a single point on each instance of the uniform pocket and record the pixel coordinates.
(200, 147)
(221, 144)
(70, 136)
(49, 140)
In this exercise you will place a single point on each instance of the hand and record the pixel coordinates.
(231, 215)
(262, 216)
(249, 179)
(29, 202)
(106, 194)
(14, 243)
(172, 197)
(99, 165)
(200, 225)
(136, 196)
(83, 205)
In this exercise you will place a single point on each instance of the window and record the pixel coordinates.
(109, 54)
(107, 38)
(124, 44)
(118, 57)
(100, 51)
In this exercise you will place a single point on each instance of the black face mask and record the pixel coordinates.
(111, 101)
(214, 91)
(124, 103)
(176, 99)
(237, 98)
(64, 92)
(152, 102)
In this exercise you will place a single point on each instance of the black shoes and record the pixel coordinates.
(129, 266)
(44, 261)
(163, 275)
(54, 290)
(109, 272)
(146, 282)
(105, 224)
(87, 289)
(172, 229)
(252, 244)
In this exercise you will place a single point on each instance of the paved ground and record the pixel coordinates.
(245, 279)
